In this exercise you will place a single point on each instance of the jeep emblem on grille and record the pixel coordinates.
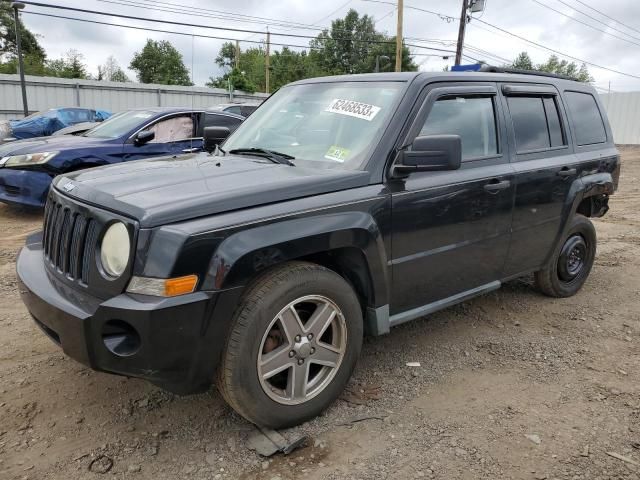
(68, 187)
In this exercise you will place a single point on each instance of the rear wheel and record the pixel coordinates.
(294, 342)
(569, 267)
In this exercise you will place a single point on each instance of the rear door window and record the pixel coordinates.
(587, 121)
(219, 120)
(473, 118)
(536, 123)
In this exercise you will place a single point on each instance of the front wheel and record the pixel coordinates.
(571, 263)
(293, 344)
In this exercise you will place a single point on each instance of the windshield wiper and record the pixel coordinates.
(275, 157)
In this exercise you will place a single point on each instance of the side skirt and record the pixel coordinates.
(379, 321)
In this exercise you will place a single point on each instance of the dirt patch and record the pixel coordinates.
(510, 385)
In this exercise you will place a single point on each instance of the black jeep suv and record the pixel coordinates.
(343, 205)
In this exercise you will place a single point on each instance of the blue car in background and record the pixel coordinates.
(28, 166)
(41, 124)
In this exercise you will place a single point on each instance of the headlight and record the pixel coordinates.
(115, 249)
(27, 159)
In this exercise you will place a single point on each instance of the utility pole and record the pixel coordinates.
(399, 36)
(463, 24)
(238, 54)
(19, 6)
(267, 62)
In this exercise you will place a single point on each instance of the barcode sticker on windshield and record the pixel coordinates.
(353, 109)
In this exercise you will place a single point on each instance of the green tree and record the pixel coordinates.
(111, 71)
(290, 66)
(160, 62)
(232, 80)
(563, 67)
(34, 55)
(286, 66)
(71, 65)
(523, 62)
(352, 44)
(554, 65)
(247, 78)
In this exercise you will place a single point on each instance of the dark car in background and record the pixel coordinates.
(47, 122)
(238, 108)
(28, 166)
(76, 129)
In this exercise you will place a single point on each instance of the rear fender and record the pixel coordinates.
(591, 188)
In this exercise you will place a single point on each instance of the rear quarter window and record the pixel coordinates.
(587, 120)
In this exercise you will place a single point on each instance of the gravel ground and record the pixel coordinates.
(512, 385)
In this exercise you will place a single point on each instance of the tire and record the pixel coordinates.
(571, 263)
(265, 335)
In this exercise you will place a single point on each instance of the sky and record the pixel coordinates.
(533, 20)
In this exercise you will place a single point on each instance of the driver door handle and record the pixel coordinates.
(190, 150)
(497, 185)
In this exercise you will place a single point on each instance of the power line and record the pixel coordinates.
(135, 27)
(193, 25)
(596, 19)
(557, 52)
(589, 25)
(333, 12)
(211, 27)
(447, 18)
(607, 16)
(219, 13)
(200, 13)
(486, 53)
(148, 29)
(265, 20)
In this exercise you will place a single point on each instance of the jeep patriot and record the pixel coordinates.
(343, 206)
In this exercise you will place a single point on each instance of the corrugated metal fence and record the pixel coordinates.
(51, 92)
(623, 110)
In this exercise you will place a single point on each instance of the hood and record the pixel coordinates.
(49, 144)
(170, 189)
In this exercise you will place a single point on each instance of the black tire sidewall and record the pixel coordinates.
(256, 404)
(583, 227)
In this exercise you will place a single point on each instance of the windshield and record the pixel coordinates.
(324, 125)
(120, 124)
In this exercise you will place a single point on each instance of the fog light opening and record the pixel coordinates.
(120, 338)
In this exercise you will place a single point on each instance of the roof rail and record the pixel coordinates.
(491, 68)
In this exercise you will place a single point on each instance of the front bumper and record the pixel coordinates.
(179, 342)
(24, 187)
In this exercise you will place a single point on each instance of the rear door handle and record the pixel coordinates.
(190, 150)
(567, 172)
(496, 185)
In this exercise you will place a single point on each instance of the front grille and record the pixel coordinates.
(68, 240)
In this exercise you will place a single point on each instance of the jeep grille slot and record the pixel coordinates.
(68, 239)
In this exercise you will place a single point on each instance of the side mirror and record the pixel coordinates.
(214, 136)
(431, 153)
(145, 136)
